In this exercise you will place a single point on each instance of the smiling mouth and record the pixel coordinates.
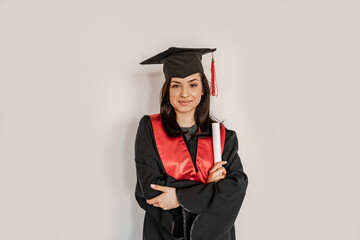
(184, 102)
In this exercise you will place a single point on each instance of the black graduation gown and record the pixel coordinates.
(207, 211)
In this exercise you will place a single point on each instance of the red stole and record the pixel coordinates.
(176, 157)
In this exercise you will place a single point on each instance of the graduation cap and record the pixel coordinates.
(182, 62)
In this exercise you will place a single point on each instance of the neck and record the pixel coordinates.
(185, 119)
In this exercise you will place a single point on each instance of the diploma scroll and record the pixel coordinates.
(216, 141)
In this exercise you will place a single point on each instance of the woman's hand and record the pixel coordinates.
(217, 172)
(167, 200)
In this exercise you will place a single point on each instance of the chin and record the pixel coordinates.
(184, 109)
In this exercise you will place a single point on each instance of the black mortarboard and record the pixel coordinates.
(179, 62)
(182, 62)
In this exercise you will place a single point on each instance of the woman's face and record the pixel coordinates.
(185, 93)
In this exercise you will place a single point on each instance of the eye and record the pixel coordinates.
(175, 85)
(193, 85)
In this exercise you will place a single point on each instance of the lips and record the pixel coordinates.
(184, 103)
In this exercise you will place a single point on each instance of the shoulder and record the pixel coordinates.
(147, 124)
(146, 119)
(231, 143)
(144, 125)
(230, 135)
(145, 130)
(228, 131)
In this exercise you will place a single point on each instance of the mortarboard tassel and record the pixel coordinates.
(214, 89)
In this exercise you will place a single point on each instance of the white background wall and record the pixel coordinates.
(72, 93)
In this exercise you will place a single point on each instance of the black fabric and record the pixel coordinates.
(190, 131)
(207, 211)
(180, 62)
(191, 142)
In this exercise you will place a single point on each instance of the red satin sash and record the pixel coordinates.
(176, 157)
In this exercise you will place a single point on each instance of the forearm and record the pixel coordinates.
(202, 197)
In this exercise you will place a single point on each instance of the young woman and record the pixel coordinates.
(185, 195)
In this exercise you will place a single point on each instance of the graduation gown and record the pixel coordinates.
(207, 211)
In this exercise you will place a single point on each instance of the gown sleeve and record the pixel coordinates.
(150, 171)
(148, 168)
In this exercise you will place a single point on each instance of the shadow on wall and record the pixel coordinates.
(137, 213)
(123, 180)
(123, 170)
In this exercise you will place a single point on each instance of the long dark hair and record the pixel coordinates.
(203, 118)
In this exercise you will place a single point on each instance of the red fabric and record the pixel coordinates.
(176, 157)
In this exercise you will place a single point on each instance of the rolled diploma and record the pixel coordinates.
(216, 141)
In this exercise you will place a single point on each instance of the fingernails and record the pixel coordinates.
(152, 185)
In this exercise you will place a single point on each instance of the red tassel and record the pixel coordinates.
(214, 88)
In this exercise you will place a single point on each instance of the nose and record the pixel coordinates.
(184, 91)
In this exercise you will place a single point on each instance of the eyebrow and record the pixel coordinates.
(192, 80)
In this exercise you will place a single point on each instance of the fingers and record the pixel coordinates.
(216, 178)
(219, 177)
(217, 165)
(220, 171)
(154, 201)
(158, 187)
(219, 174)
(157, 202)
